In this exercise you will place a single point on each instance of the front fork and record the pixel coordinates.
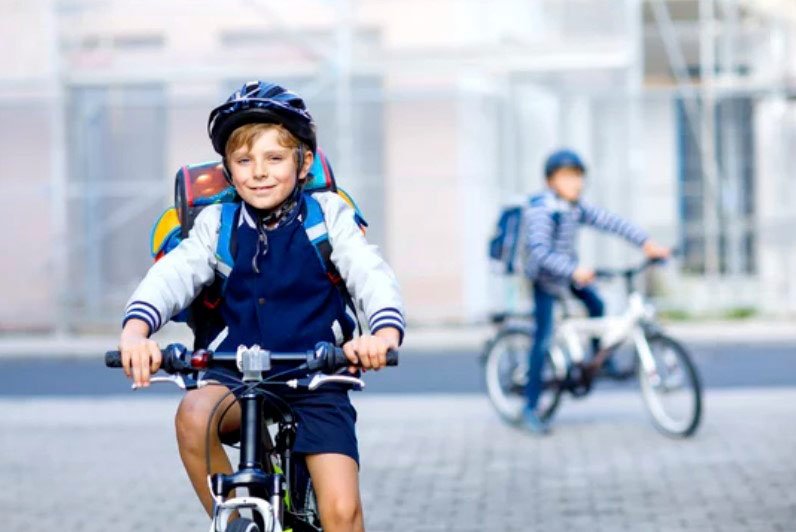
(251, 473)
(224, 511)
(645, 356)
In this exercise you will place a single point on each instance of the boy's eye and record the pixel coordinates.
(276, 158)
(243, 160)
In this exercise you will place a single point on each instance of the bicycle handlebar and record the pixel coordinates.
(610, 273)
(325, 358)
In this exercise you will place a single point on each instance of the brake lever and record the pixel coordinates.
(178, 380)
(320, 379)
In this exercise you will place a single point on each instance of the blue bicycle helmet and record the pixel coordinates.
(261, 102)
(563, 159)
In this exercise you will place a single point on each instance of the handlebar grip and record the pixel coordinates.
(171, 361)
(341, 361)
(113, 359)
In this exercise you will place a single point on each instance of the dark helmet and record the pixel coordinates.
(260, 102)
(563, 159)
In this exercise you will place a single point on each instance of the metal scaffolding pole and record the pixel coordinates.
(700, 121)
(58, 176)
(343, 93)
(634, 22)
(734, 219)
(710, 210)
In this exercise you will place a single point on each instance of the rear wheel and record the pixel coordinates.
(672, 390)
(304, 516)
(506, 375)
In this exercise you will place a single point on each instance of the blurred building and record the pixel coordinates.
(434, 113)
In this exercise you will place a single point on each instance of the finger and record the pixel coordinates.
(363, 350)
(144, 363)
(135, 362)
(155, 356)
(375, 348)
(126, 362)
(382, 355)
(349, 350)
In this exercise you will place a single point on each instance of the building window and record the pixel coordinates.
(734, 199)
(117, 183)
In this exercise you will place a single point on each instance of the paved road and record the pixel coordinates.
(721, 365)
(429, 463)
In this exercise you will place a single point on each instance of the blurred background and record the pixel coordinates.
(434, 114)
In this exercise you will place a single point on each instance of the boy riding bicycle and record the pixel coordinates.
(551, 222)
(276, 295)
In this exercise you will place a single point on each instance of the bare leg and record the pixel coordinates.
(336, 481)
(191, 423)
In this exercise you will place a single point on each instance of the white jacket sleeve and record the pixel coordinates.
(369, 279)
(173, 282)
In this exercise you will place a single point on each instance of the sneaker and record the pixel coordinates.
(533, 424)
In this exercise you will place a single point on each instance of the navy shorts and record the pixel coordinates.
(325, 417)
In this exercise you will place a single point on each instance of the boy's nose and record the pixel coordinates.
(261, 170)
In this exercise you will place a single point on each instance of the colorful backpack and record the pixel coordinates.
(199, 185)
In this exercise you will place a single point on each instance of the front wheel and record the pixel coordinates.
(506, 375)
(671, 387)
(243, 525)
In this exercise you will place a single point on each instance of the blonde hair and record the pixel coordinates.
(247, 134)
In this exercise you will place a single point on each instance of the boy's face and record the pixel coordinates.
(567, 183)
(265, 175)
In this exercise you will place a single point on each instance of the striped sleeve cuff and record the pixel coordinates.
(387, 317)
(146, 312)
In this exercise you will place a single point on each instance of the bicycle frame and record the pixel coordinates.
(611, 330)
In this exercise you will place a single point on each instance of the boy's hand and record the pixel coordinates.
(140, 356)
(583, 276)
(371, 351)
(654, 251)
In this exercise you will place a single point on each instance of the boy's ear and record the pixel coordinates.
(309, 157)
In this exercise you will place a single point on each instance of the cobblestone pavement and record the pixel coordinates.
(429, 463)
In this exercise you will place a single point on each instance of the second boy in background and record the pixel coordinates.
(552, 221)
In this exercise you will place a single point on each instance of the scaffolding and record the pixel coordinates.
(507, 80)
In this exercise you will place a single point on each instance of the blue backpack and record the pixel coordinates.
(200, 185)
(505, 245)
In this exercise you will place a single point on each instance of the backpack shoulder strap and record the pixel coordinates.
(226, 246)
(315, 226)
(537, 200)
(318, 233)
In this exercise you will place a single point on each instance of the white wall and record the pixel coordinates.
(26, 272)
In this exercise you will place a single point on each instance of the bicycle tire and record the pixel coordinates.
(505, 359)
(674, 428)
(307, 517)
(243, 524)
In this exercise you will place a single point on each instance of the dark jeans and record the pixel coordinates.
(543, 310)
